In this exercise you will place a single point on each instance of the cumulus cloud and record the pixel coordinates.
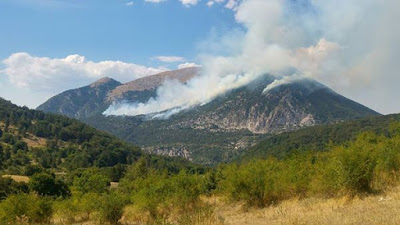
(155, 1)
(232, 4)
(187, 64)
(189, 3)
(55, 75)
(169, 59)
(212, 2)
(349, 45)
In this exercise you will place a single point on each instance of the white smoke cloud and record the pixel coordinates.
(346, 44)
(285, 80)
(55, 75)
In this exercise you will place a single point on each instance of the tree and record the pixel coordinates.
(8, 186)
(92, 181)
(47, 185)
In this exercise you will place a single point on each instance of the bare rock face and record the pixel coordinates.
(170, 151)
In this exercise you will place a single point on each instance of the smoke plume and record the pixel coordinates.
(349, 45)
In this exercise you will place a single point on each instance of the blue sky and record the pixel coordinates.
(108, 29)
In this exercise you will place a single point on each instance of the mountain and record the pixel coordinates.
(137, 89)
(95, 98)
(222, 129)
(82, 102)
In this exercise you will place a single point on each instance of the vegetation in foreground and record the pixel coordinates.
(367, 166)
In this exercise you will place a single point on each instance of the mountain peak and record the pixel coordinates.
(103, 81)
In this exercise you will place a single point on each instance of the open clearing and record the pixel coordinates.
(379, 209)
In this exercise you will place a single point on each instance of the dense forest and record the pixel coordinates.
(70, 167)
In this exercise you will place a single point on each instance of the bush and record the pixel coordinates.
(36, 209)
(111, 207)
(160, 194)
(78, 207)
(257, 183)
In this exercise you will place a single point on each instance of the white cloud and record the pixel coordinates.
(186, 65)
(232, 4)
(169, 59)
(212, 2)
(55, 75)
(129, 4)
(188, 3)
(155, 1)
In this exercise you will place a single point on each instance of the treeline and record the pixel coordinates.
(317, 137)
(370, 164)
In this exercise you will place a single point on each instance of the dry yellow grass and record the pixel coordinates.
(34, 142)
(18, 178)
(380, 209)
(114, 185)
(371, 210)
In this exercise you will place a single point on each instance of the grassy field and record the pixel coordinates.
(370, 210)
(17, 178)
(379, 209)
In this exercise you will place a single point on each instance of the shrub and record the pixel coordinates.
(36, 209)
(256, 183)
(111, 207)
(356, 164)
(160, 194)
(78, 207)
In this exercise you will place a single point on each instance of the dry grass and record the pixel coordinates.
(34, 142)
(371, 210)
(18, 178)
(380, 209)
(114, 185)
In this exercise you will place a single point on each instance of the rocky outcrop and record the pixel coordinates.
(182, 152)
